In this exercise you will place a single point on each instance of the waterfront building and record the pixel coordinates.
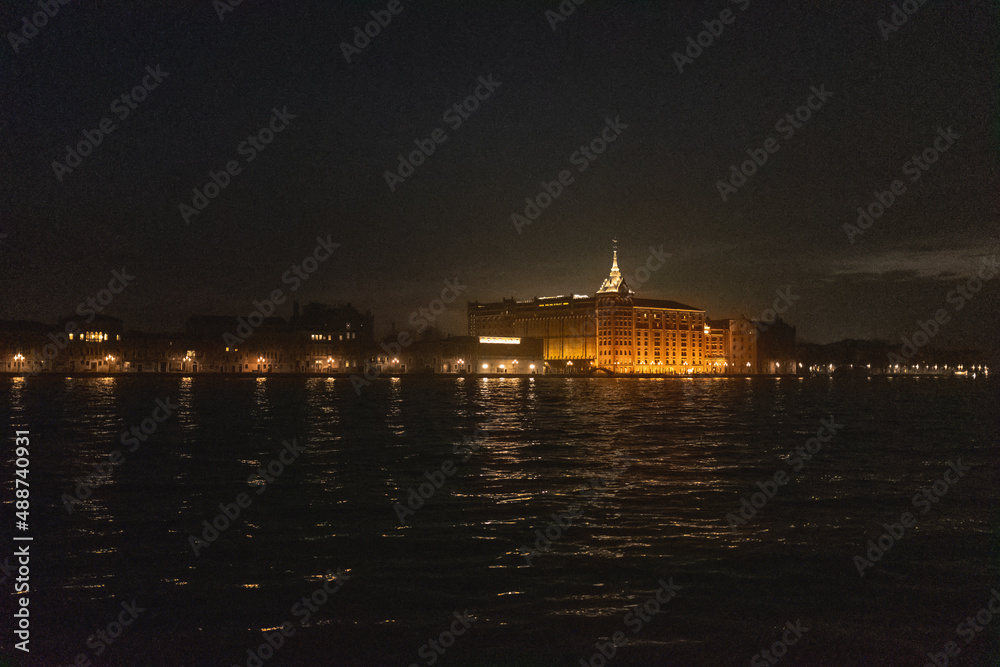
(775, 347)
(490, 355)
(69, 346)
(616, 331)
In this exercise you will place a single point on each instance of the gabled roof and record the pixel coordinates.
(615, 282)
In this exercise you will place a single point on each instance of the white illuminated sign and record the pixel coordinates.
(500, 339)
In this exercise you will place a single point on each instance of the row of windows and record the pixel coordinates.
(349, 334)
(93, 336)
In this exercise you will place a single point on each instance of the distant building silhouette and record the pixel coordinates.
(775, 347)
(612, 331)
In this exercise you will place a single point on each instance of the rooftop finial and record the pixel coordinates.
(613, 281)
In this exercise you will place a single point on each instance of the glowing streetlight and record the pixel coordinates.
(485, 366)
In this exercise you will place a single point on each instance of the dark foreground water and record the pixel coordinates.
(676, 456)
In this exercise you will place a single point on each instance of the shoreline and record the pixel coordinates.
(346, 376)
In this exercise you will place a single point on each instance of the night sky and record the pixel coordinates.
(655, 184)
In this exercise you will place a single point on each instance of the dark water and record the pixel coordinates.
(677, 456)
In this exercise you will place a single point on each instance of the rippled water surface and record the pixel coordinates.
(643, 473)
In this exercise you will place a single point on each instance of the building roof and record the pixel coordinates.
(664, 303)
(614, 282)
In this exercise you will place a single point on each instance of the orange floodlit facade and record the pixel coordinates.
(618, 332)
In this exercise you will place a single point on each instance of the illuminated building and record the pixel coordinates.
(483, 355)
(615, 331)
(732, 342)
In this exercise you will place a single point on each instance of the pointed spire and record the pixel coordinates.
(614, 282)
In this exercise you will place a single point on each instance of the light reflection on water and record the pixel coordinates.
(685, 450)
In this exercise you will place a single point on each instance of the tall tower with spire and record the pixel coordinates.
(614, 283)
(615, 321)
